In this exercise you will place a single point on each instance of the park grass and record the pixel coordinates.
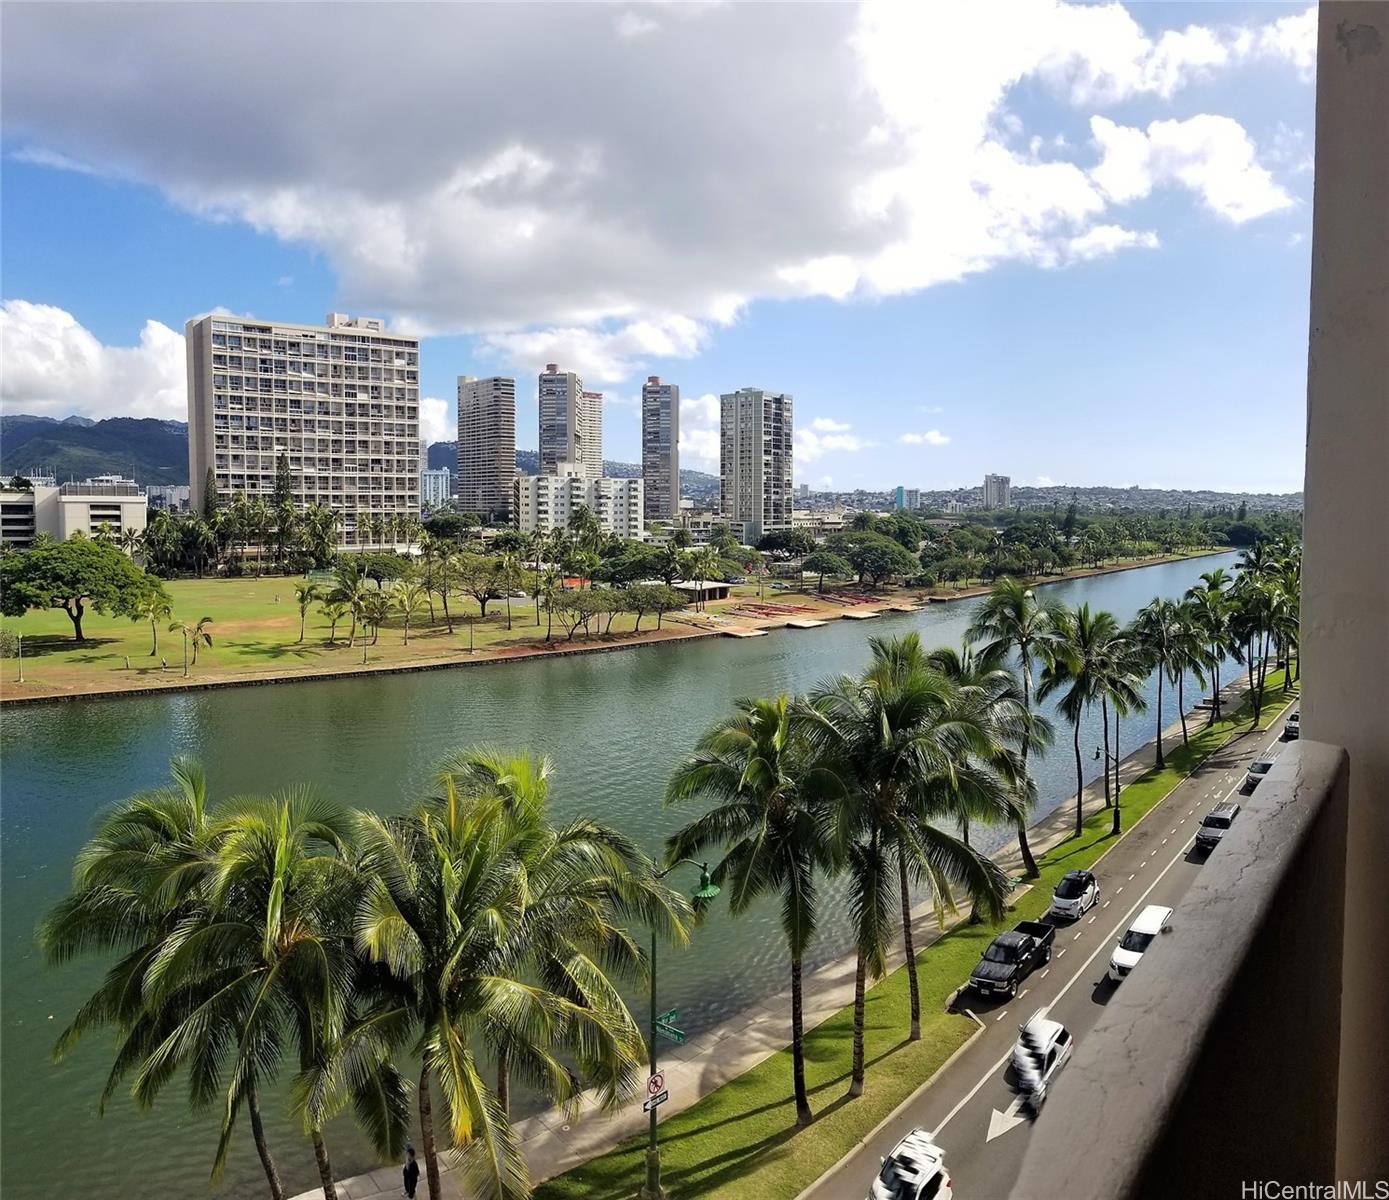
(741, 1142)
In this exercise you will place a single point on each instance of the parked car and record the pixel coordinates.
(1146, 926)
(1076, 894)
(1011, 957)
(915, 1170)
(1257, 770)
(1292, 727)
(1213, 828)
(1042, 1049)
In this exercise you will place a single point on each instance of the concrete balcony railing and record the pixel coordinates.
(1215, 1065)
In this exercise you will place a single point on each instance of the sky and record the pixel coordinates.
(1064, 242)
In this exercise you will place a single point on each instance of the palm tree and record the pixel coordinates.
(352, 589)
(139, 889)
(305, 594)
(1211, 610)
(1187, 655)
(1012, 621)
(409, 598)
(1078, 664)
(771, 816)
(376, 611)
(1126, 668)
(131, 541)
(153, 606)
(199, 634)
(508, 577)
(495, 930)
(333, 611)
(898, 737)
(1155, 632)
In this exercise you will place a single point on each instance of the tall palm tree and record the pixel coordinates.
(1126, 668)
(1155, 633)
(409, 599)
(333, 612)
(199, 634)
(352, 589)
(1077, 666)
(153, 606)
(1012, 621)
(1188, 654)
(140, 890)
(898, 737)
(495, 930)
(305, 594)
(770, 814)
(1211, 609)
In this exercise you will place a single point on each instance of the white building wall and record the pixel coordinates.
(546, 502)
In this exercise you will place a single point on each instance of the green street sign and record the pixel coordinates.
(668, 1017)
(677, 1036)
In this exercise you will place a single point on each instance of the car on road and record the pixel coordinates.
(1011, 958)
(1146, 926)
(1043, 1047)
(1292, 727)
(1076, 894)
(915, 1170)
(1257, 770)
(1216, 822)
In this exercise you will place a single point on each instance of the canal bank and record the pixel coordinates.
(615, 726)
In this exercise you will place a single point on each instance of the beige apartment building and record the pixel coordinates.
(340, 401)
(546, 502)
(106, 502)
(755, 461)
(571, 422)
(486, 446)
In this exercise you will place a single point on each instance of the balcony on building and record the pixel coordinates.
(1252, 1048)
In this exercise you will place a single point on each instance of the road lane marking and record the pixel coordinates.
(1046, 972)
(1091, 921)
(1164, 840)
(1105, 904)
(1000, 1017)
(1076, 936)
(1066, 987)
(1121, 887)
(1062, 951)
(1130, 878)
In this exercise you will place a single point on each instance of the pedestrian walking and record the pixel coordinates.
(411, 1174)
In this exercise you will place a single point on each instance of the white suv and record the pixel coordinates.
(915, 1170)
(1146, 926)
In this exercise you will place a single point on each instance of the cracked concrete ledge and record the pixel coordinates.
(1235, 1015)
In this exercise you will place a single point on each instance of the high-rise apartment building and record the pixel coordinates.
(486, 446)
(998, 491)
(755, 461)
(571, 422)
(908, 499)
(340, 402)
(434, 485)
(660, 448)
(546, 502)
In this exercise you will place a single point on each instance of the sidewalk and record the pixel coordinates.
(552, 1145)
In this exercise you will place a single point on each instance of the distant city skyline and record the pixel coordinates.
(1085, 249)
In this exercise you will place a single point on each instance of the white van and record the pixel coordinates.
(1146, 926)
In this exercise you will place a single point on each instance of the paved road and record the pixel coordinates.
(972, 1110)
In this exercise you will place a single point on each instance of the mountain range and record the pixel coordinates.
(150, 451)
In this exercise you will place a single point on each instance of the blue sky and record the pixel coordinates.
(1080, 258)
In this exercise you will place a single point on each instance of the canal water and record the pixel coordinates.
(614, 725)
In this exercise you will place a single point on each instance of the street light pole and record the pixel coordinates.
(706, 891)
(19, 640)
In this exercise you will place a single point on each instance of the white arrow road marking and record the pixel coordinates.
(1001, 1122)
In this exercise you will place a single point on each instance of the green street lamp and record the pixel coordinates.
(707, 891)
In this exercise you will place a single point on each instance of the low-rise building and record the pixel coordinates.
(108, 501)
(820, 524)
(545, 502)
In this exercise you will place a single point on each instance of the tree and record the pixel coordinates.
(351, 589)
(199, 634)
(1011, 621)
(770, 814)
(1187, 653)
(1126, 667)
(209, 495)
(1155, 631)
(478, 576)
(788, 543)
(574, 608)
(872, 555)
(153, 606)
(76, 575)
(475, 885)
(305, 594)
(826, 562)
(139, 882)
(409, 598)
(1211, 608)
(1077, 665)
(333, 611)
(899, 737)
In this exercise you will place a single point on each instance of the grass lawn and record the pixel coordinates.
(741, 1142)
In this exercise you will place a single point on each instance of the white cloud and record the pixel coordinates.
(1045, 481)
(54, 367)
(438, 420)
(880, 152)
(932, 437)
(699, 432)
(1213, 156)
(826, 437)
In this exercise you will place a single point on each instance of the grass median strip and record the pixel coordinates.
(741, 1142)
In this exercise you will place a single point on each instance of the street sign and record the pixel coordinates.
(668, 1017)
(669, 1031)
(655, 1101)
(656, 1083)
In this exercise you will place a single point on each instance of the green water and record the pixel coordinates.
(614, 725)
